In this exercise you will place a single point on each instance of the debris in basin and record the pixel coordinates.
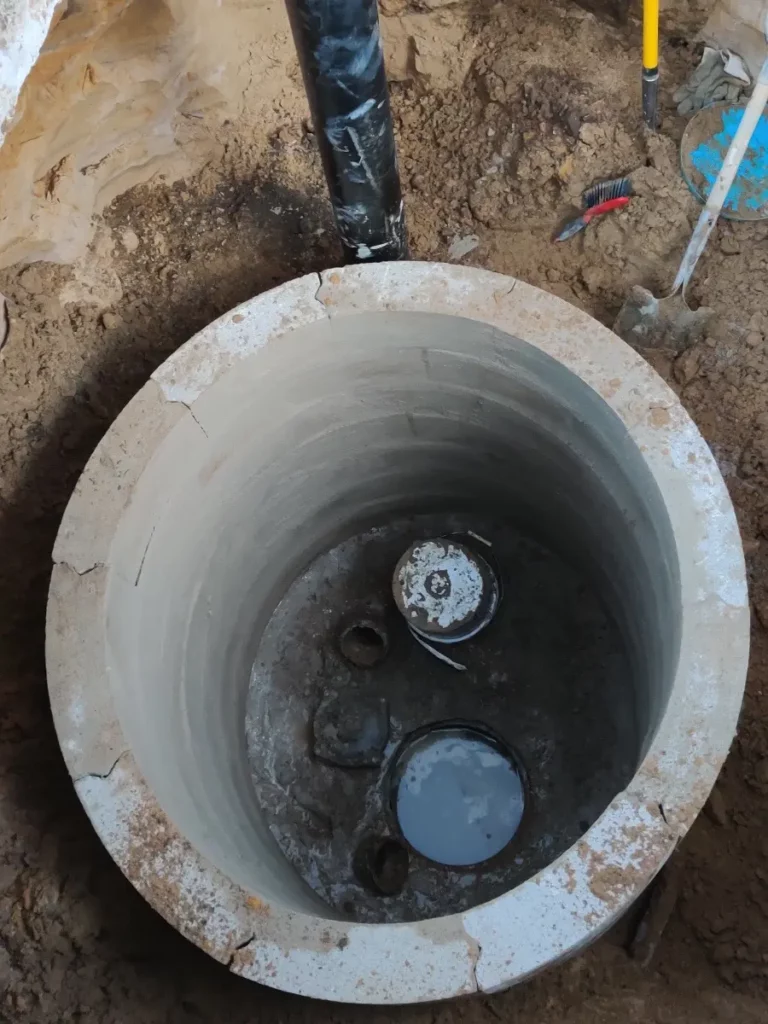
(351, 731)
(438, 654)
(446, 592)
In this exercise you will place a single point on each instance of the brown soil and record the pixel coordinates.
(541, 100)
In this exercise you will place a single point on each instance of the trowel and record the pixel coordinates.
(669, 322)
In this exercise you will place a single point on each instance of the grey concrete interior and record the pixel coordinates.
(334, 427)
(548, 677)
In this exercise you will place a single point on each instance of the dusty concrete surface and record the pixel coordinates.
(77, 941)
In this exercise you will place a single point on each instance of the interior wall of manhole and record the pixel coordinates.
(347, 424)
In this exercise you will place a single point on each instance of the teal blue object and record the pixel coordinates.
(702, 151)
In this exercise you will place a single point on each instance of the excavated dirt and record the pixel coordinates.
(504, 112)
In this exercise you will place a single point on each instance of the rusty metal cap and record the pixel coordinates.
(444, 590)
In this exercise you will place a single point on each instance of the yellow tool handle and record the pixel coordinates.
(650, 34)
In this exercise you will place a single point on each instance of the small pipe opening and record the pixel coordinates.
(381, 865)
(364, 644)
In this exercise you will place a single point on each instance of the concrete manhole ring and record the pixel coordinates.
(151, 622)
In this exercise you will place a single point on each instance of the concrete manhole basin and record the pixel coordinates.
(329, 801)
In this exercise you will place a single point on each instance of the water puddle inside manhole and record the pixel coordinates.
(458, 795)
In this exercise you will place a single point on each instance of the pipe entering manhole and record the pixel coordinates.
(381, 864)
(330, 794)
(364, 643)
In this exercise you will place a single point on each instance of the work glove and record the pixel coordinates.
(720, 77)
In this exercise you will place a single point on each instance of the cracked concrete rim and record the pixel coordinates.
(579, 895)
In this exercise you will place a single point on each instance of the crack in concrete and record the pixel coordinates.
(143, 557)
(499, 296)
(237, 948)
(103, 775)
(475, 952)
(80, 572)
(318, 300)
(197, 421)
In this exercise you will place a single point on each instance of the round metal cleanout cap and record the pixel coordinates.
(445, 591)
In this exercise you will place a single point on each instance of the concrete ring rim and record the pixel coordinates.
(480, 949)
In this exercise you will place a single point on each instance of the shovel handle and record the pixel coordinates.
(651, 63)
(708, 217)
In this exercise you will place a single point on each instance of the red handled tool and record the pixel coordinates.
(601, 198)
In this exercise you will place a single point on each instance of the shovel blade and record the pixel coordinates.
(647, 322)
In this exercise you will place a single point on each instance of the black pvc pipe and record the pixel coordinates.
(340, 52)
